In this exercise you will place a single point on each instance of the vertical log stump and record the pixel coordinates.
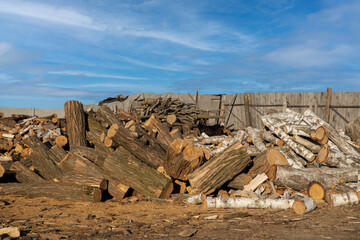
(75, 123)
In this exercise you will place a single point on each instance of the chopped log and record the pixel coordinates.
(97, 195)
(299, 149)
(108, 115)
(352, 130)
(256, 182)
(299, 179)
(176, 133)
(293, 159)
(263, 162)
(171, 119)
(145, 148)
(163, 136)
(58, 152)
(24, 174)
(306, 143)
(269, 137)
(318, 134)
(91, 154)
(316, 190)
(196, 199)
(131, 171)
(75, 123)
(240, 181)
(110, 143)
(5, 167)
(5, 145)
(61, 141)
(80, 179)
(304, 205)
(57, 190)
(123, 115)
(248, 203)
(219, 169)
(43, 159)
(254, 134)
(182, 158)
(298, 129)
(335, 158)
(333, 135)
(341, 199)
(79, 164)
(94, 137)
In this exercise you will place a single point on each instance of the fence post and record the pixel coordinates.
(328, 105)
(247, 109)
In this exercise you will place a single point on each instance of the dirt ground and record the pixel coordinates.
(45, 218)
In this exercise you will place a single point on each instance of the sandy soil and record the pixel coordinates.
(45, 218)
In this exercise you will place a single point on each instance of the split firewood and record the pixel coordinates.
(333, 135)
(240, 181)
(75, 123)
(5, 167)
(208, 177)
(183, 158)
(12, 232)
(248, 203)
(299, 149)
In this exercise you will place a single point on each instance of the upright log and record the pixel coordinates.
(144, 147)
(75, 123)
(219, 169)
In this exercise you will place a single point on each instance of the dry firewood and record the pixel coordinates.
(341, 199)
(61, 141)
(211, 175)
(306, 143)
(269, 137)
(352, 130)
(254, 134)
(303, 204)
(333, 135)
(94, 137)
(163, 136)
(5, 167)
(299, 149)
(239, 181)
(108, 115)
(196, 199)
(75, 123)
(293, 159)
(171, 119)
(12, 232)
(89, 153)
(248, 203)
(334, 157)
(183, 158)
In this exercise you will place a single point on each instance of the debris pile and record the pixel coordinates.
(294, 161)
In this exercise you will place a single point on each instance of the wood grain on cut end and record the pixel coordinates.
(61, 141)
(112, 130)
(274, 156)
(299, 207)
(323, 154)
(316, 191)
(97, 195)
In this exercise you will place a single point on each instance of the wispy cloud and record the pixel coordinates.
(174, 67)
(46, 12)
(95, 75)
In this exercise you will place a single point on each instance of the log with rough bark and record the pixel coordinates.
(75, 123)
(89, 153)
(144, 148)
(248, 203)
(163, 131)
(57, 151)
(352, 130)
(131, 171)
(331, 132)
(183, 158)
(240, 181)
(43, 159)
(5, 167)
(219, 169)
(109, 116)
(256, 139)
(94, 137)
(299, 149)
(263, 162)
(333, 157)
(57, 190)
(24, 174)
(299, 179)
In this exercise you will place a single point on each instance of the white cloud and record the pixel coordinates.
(5, 48)
(176, 68)
(97, 75)
(48, 13)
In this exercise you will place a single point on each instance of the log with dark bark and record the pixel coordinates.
(108, 115)
(182, 159)
(90, 153)
(131, 171)
(24, 174)
(94, 137)
(240, 181)
(143, 147)
(43, 159)
(5, 167)
(75, 123)
(219, 169)
(163, 131)
(57, 190)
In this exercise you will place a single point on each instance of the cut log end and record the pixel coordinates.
(323, 154)
(299, 207)
(316, 191)
(112, 130)
(61, 141)
(276, 157)
(97, 195)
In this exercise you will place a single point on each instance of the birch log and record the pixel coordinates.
(248, 203)
(348, 198)
(256, 138)
(304, 205)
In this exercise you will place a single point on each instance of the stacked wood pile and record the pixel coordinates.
(293, 161)
(296, 159)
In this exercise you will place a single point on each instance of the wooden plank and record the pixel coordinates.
(328, 105)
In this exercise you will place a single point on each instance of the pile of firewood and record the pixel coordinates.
(93, 156)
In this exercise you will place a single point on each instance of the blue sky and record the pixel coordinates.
(57, 50)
